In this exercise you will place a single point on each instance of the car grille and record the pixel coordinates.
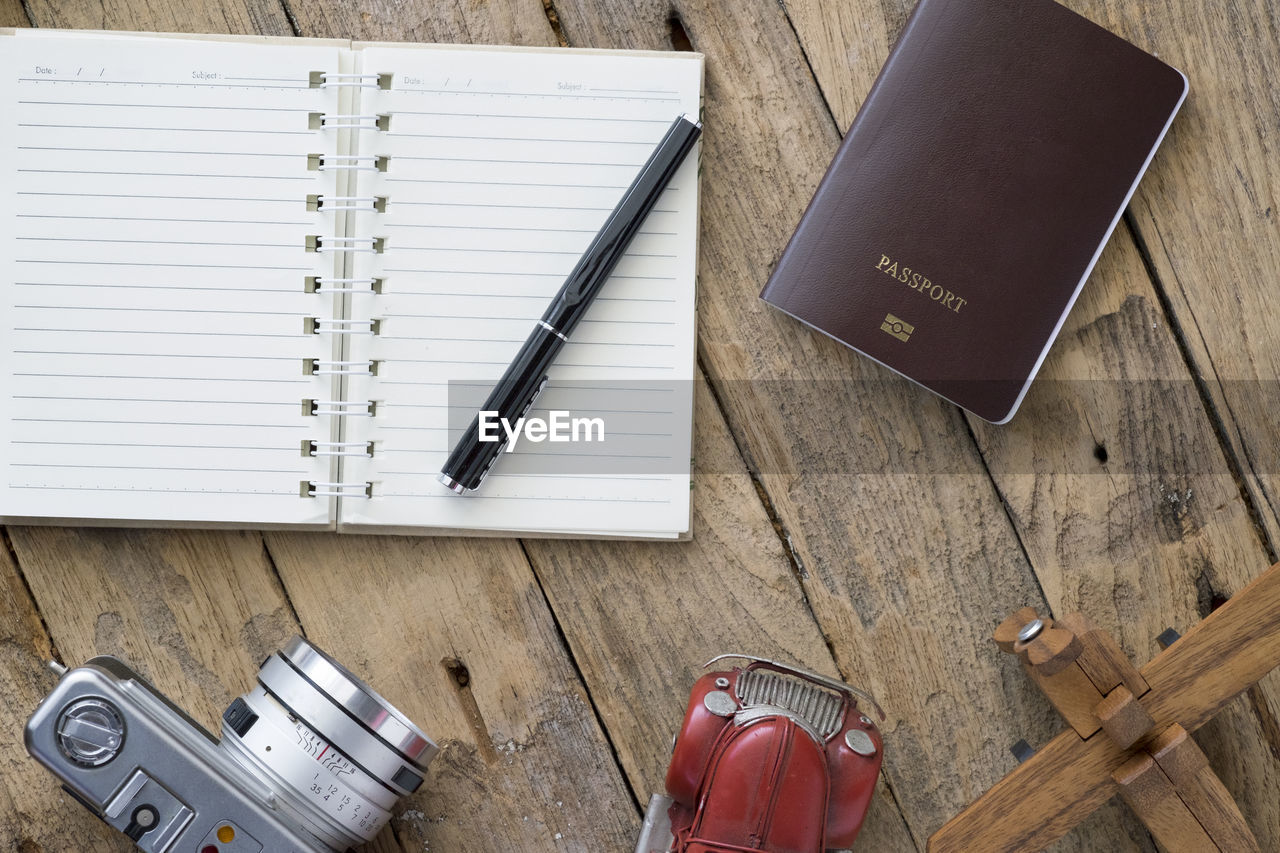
(822, 709)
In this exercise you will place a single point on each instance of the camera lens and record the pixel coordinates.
(334, 751)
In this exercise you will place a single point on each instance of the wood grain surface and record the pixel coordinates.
(1190, 682)
(844, 519)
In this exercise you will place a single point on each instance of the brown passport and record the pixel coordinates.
(974, 191)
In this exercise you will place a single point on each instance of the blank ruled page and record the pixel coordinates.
(502, 166)
(152, 279)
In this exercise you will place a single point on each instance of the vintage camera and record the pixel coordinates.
(770, 759)
(311, 760)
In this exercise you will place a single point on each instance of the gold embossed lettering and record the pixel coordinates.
(921, 283)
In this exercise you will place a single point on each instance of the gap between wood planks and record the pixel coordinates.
(26, 588)
(1237, 462)
(1234, 463)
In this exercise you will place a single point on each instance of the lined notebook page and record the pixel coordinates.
(152, 264)
(503, 165)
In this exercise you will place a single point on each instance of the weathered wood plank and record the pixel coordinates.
(457, 21)
(194, 612)
(263, 17)
(459, 632)
(1112, 471)
(12, 14)
(905, 553)
(640, 706)
(1209, 215)
(641, 628)
(529, 768)
(35, 816)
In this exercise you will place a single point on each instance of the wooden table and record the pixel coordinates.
(844, 519)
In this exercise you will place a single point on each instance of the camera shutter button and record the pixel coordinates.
(90, 732)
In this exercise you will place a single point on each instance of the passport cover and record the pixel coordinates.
(974, 192)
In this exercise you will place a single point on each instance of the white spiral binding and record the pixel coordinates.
(366, 245)
(333, 325)
(322, 285)
(320, 367)
(329, 80)
(319, 489)
(352, 163)
(340, 408)
(356, 202)
(338, 121)
(341, 327)
(366, 448)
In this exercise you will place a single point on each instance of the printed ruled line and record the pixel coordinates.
(159, 287)
(166, 174)
(535, 498)
(150, 445)
(598, 478)
(574, 163)
(155, 355)
(167, 491)
(156, 332)
(236, 379)
(559, 95)
(538, 409)
(166, 197)
(160, 310)
(152, 83)
(157, 468)
(399, 203)
(156, 242)
(437, 452)
(384, 427)
(440, 453)
(529, 319)
(660, 121)
(518, 341)
(490, 228)
(542, 298)
(153, 400)
(559, 275)
(551, 386)
(521, 139)
(168, 129)
(166, 106)
(154, 423)
(180, 266)
(577, 455)
(638, 91)
(161, 219)
(505, 363)
(478, 250)
(162, 151)
(507, 184)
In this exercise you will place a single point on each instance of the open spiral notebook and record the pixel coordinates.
(237, 276)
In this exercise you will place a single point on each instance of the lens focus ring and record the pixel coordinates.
(360, 701)
(315, 708)
(306, 730)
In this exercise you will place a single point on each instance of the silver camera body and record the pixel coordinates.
(311, 760)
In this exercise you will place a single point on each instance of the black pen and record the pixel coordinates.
(525, 378)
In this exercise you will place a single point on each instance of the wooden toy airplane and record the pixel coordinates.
(1129, 730)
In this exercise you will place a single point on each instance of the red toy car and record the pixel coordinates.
(771, 759)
